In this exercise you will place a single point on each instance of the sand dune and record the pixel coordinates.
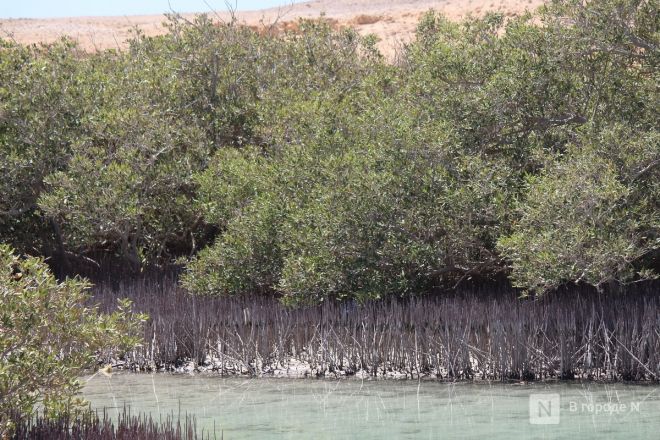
(393, 21)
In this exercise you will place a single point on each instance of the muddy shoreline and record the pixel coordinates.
(296, 369)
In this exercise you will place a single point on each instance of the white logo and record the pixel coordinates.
(544, 409)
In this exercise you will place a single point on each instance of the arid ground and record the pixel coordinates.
(393, 21)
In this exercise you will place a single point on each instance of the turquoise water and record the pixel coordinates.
(345, 409)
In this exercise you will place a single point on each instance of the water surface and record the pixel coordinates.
(240, 408)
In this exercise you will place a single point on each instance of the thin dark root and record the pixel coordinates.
(470, 335)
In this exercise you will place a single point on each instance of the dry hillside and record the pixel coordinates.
(392, 21)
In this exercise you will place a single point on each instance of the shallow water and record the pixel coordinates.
(239, 408)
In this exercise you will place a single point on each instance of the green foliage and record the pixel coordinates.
(591, 215)
(582, 221)
(303, 165)
(49, 335)
(39, 116)
(355, 219)
(128, 183)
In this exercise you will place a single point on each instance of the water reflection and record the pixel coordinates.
(323, 409)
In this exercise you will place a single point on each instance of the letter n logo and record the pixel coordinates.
(544, 409)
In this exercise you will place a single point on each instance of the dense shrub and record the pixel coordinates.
(303, 165)
(488, 131)
(49, 335)
(40, 110)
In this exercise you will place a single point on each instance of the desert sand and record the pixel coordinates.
(392, 21)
